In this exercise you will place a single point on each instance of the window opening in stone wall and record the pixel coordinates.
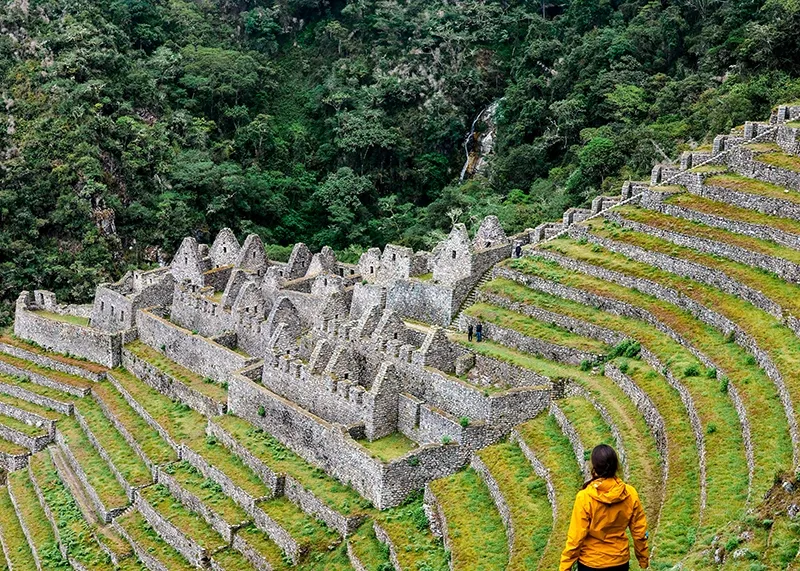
(394, 257)
(488, 243)
(346, 376)
(454, 254)
(254, 255)
(224, 249)
(112, 310)
(102, 306)
(372, 269)
(186, 259)
(395, 335)
(122, 315)
(326, 281)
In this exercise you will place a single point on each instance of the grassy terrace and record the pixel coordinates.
(140, 531)
(708, 168)
(42, 411)
(19, 552)
(462, 497)
(231, 560)
(64, 378)
(206, 386)
(366, 547)
(13, 449)
(22, 427)
(553, 449)
(723, 209)
(191, 524)
(151, 443)
(32, 514)
(785, 294)
(25, 383)
(264, 546)
(765, 412)
(777, 158)
(407, 527)
(76, 534)
(389, 447)
(34, 348)
(587, 422)
(71, 319)
(303, 528)
(739, 183)
(97, 470)
(533, 328)
(526, 495)
(778, 340)
(132, 468)
(187, 426)
(207, 491)
(690, 228)
(282, 460)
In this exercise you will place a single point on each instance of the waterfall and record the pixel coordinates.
(478, 145)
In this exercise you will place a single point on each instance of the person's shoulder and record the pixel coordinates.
(631, 491)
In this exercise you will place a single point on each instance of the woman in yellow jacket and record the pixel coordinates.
(604, 509)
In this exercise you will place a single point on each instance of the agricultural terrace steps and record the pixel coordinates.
(692, 270)
(497, 497)
(705, 314)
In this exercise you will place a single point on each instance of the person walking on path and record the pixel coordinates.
(604, 509)
(469, 332)
(479, 332)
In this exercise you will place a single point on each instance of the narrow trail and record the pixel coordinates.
(75, 486)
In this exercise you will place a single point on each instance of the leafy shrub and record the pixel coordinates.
(711, 373)
(446, 439)
(691, 371)
(261, 412)
(586, 365)
(626, 348)
(464, 421)
(723, 385)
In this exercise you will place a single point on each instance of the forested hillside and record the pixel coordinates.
(128, 124)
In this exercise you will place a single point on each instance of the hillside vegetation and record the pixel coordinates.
(128, 124)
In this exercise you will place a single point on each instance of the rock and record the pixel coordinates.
(789, 487)
(793, 511)
(719, 555)
(746, 536)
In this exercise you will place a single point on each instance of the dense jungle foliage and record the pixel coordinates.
(128, 124)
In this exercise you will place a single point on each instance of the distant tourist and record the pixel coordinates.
(604, 509)
(479, 332)
(469, 332)
(518, 250)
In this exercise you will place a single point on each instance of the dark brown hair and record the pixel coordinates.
(604, 463)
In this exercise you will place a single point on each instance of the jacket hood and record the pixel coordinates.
(608, 490)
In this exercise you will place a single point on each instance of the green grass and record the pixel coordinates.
(33, 516)
(189, 378)
(526, 495)
(140, 531)
(762, 147)
(34, 348)
(765, 412)
(389, 447)
(407, 528)
(690, 228)
(191, 524)
(708, 168)
(475, 546)
(76, 534)
(13, 449)
(373, 554)
(303, 528)
(24, 428)
(207, 491)
(781, 160)
(537, 329)
(64, 378)
(150, 441)
(19, 552)
(21, 404)
(282, 460)
(231, 560)
(265, 547)
(130, 465)
(737, 213)
(747, 185)
(232, 466)
(772, 336)
(71, 319)
(785, 294)
(553, 449)
(588, 423)
(97, 470)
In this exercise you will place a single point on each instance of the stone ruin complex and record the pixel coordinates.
(227, 356)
